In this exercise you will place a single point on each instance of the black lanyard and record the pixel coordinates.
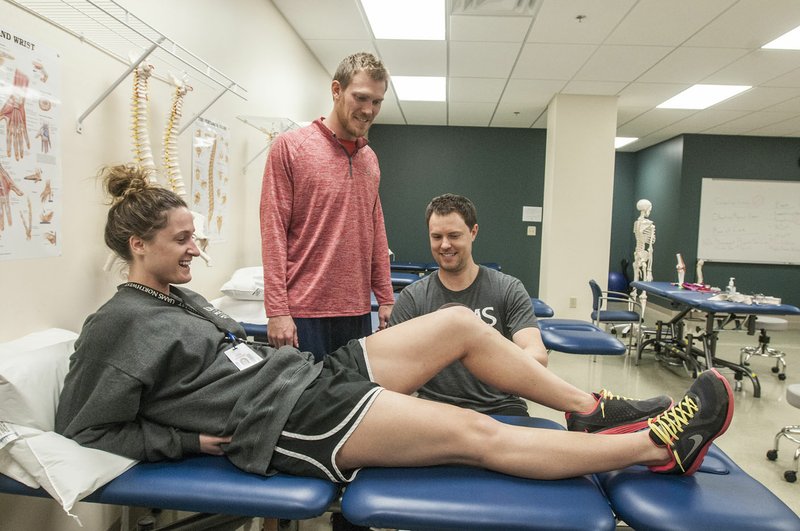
(167, 299)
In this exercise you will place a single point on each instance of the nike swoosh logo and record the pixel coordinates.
(697, 440)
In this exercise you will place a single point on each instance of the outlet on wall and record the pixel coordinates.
(573, 302)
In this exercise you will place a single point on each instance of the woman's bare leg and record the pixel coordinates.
(400, 430)
(405, 356)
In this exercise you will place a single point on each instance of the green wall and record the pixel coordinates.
(500, 170)
(737, 157)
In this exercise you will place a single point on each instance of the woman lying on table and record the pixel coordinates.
(159, 373)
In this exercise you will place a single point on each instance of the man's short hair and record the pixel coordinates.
(449, 203)
(362, 61)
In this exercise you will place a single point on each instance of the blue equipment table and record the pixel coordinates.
(670, 337)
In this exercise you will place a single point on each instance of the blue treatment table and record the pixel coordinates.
(573, 336)
(720, 495)
(541, 308)
(670, 336)
(207, 484)
(401, 279)
(459, 497)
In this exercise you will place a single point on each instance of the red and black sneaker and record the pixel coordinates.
(689, 428)
(617, 414)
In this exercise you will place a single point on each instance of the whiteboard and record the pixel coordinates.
(749, 221)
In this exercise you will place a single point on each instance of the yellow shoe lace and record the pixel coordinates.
(669, 425)
(608, 395)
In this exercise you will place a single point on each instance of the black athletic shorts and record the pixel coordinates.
(328, 411)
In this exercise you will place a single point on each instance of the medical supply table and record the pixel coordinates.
(669, 336)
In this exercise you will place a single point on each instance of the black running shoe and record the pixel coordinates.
(617, 414)
(688, 429)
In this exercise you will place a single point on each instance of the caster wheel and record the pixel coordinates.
(781, 377)
(790, 476)
(772, 455)
(775, 370)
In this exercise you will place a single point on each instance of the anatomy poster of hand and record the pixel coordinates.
(30, 166)
(210, 175)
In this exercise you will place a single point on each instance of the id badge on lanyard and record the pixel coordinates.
(241, 354)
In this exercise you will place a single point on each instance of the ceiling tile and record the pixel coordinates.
(551, 61)
(414, 58)
(425, 112)
(748, 24)
(747, 123)
(482, 59)
(530, 92)
(330, 19)
(557, 20)
(621, 63)
(475, 89)
(473, 114)
(677, 20)
(488, 29)
(330, 53)
(691, 65)
(757, 67)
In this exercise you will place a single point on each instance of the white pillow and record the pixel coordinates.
(252, 312)
(32, 371)
(62, 467)
(246, 284)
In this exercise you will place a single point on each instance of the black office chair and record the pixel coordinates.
(630, 317)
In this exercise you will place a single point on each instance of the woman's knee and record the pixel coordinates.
(478, 432)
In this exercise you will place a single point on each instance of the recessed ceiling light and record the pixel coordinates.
(422, 20)
(420, 88)
(624, 141)
(787, 41)
(702, 96)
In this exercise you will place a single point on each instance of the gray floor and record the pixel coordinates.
(755, 421)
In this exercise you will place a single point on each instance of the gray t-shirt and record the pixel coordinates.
(501, 301)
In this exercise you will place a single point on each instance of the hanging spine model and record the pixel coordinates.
(171, 165)
(142, 154)
(211, 160)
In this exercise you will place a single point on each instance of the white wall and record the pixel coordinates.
(250, 42)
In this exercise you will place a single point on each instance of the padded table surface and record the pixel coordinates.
(207, 484)
(460, 497)
(702, 301)
(720, 495)
(573, 336)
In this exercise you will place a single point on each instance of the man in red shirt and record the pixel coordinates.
(324, 246)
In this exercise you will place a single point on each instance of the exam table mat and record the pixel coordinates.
(573, 336)
(207, 484)
(720, 495)
(460, 498)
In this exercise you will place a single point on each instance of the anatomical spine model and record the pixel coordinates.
(171, 165)
(142, 153)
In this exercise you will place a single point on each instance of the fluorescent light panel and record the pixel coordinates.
(702, 96)
(420, 88)
(787, 41)
(422, 20)
(621, 141)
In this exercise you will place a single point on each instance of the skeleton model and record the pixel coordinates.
(644, 230)
(142, 154)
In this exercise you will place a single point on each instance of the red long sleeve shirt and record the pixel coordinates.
(323, 240)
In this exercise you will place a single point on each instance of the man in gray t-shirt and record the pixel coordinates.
(500, 300)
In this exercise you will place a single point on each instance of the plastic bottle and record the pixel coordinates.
(731, 286)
